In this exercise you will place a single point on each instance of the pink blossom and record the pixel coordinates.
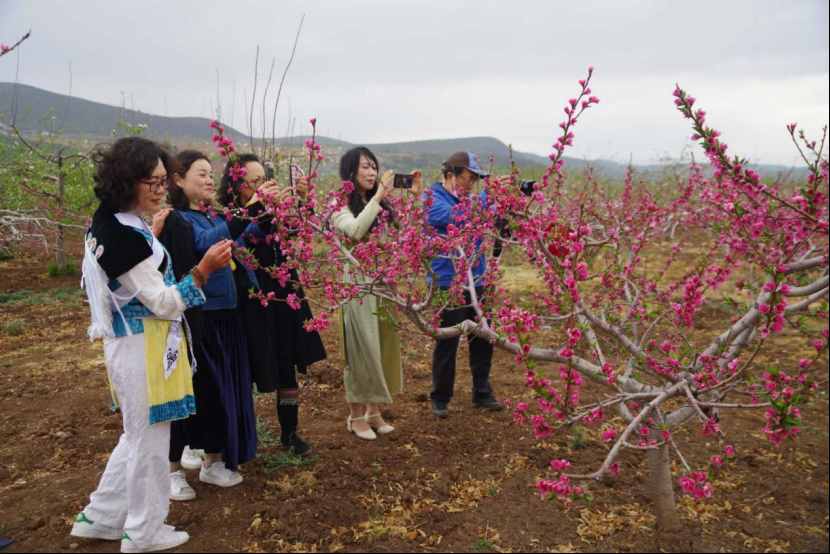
(293, 301)
(696, 484)
(559, 465)
(711, 427)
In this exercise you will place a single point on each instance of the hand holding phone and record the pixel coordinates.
(403, 181)
(385, 186)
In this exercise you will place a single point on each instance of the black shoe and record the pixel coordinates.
(296, 445)
(488, 403)
(439, 409)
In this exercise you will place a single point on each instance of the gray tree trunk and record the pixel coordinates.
(662, 489)
(60, 246)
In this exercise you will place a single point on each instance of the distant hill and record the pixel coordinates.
(39, 110)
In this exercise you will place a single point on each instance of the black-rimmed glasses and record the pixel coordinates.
(155, 184)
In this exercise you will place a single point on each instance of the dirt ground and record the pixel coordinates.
(461, 484)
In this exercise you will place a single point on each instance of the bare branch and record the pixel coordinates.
(253, 100)
(10, 49)
(809, 289)
(803, 265)
(265, 151)
(804, 304)
(623, 438)
(282, 81)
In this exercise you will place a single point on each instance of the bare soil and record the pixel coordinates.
(461, 484)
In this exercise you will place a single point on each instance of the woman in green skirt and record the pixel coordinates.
(373, 355)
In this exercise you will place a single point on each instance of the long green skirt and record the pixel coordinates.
(373, 352)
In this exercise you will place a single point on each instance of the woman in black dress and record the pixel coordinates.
(278, 344)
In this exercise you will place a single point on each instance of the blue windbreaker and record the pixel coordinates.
(441, 214)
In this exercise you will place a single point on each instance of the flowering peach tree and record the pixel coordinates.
(663, 297)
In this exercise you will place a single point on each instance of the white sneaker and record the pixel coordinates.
(86, 529)
(180, 490)
(219, 475)
(166, 539)
(191, 459)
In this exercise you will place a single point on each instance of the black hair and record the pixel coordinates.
(184, 160)
(349, 164)
(228, 189)
(121, 165)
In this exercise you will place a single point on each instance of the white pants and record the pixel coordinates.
(134, 491)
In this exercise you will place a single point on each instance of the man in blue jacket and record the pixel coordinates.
(461, 172)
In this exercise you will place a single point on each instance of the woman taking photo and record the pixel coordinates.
(278, 344)
(224, 425)
(373, 373)
(136, 306)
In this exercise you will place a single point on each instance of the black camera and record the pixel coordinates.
(402, 181)
(527, 187)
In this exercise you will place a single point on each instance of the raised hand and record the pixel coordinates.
(217, 257)
(159, 219)
(386, 185)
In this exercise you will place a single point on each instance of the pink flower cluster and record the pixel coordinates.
(224, 145)
(562, 487)
(692, 300)
(784, 393)
(696, 484)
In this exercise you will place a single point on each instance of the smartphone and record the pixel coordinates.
(527, 187)
(403, 181)
(269, 171)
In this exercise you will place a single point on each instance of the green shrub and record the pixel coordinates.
(70, 269)
(14, 327)
(14, 297)
(276, 462)
(27, 297)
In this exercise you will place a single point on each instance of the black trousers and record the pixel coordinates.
(443, 357)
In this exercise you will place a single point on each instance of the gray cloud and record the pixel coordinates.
(385, 71)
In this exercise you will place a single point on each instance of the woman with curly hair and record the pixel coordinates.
(136, 305)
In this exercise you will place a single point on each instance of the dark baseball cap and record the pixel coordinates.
(468, 161)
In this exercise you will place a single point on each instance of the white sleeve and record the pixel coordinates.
(146, 282)
(356, 227)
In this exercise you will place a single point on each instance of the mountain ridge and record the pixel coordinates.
(40, 110)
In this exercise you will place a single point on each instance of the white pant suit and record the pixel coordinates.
(133, 493)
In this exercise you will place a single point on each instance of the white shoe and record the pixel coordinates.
(191, 459)
(219, 475)
(165, 539)
(383, 428)
(180, 490)
(368, 435)
(86, 529)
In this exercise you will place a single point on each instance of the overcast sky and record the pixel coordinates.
(383, 71)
